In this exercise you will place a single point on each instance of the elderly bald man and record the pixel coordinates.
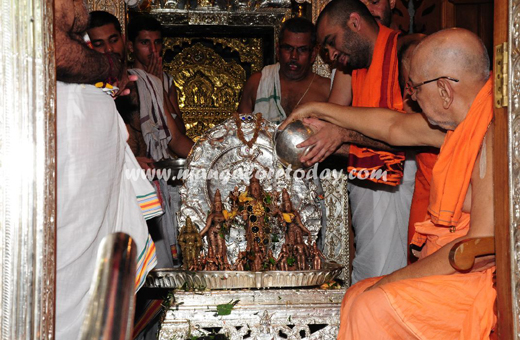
(429, 299)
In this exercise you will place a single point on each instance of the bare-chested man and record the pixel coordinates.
(279, 88)
(429, 299)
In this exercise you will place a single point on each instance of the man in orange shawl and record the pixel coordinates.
(380, 210)
(429, 299)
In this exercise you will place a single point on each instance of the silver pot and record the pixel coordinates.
(174, 164)
(285, 142)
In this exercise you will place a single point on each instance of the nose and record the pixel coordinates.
(294, 54)
(333, 53)
(108, 48)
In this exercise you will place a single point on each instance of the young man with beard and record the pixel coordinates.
(380, 209)
(279, 88)
(450, 79)
(341, 94)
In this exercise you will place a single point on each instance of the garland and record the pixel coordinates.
(240, 133)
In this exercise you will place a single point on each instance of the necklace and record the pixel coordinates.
(240, 133)
(308, 87)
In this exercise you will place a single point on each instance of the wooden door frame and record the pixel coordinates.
(507, 170)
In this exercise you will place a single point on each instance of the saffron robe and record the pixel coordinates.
(380, 212)
(378, 86)
(457, 306)
(421, 195)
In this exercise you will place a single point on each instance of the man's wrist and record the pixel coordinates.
(346, 135)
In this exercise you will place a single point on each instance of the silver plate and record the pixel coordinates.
(172, 279)
(221, 150)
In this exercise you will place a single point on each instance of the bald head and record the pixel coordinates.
(453, 52)
(448, 70)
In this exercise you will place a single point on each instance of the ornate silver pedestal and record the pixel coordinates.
(292, 314)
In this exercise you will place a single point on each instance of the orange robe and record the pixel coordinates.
(421, 194)
(378, 86)
(457, 306)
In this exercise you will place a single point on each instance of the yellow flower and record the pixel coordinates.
(103, 85)
(244, 198)
(229, 215)
(288, 217)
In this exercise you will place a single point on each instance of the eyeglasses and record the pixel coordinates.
(411, 89)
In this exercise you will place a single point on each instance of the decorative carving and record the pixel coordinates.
(320, 67)
(401, 16)
(250, 49)
(427, 16)
(198, 122)
(116, 7)
(206, 102)
(206, 82)
(221, 152)
(285, 314)
(337, 237)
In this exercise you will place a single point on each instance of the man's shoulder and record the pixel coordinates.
(322, 81)
(254, 80)
(321, 87)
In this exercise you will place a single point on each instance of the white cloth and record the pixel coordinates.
(269, 94)
(152, 115)
(167, 84)
(94, 196)
(380, 216)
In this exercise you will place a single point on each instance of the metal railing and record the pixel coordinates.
(110, 312)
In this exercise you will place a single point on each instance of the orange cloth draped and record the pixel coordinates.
(378, 86)
(452, 174)
(421, 194)
(457, 306)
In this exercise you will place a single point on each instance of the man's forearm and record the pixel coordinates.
(359, 139)
(79, 64)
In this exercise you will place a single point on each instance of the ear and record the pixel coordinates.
(445, 92)
(130, 46)
(354, 22)
(392, 4)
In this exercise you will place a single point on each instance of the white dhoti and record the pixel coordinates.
(269, 94)
(380, 216)
(94, 197)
